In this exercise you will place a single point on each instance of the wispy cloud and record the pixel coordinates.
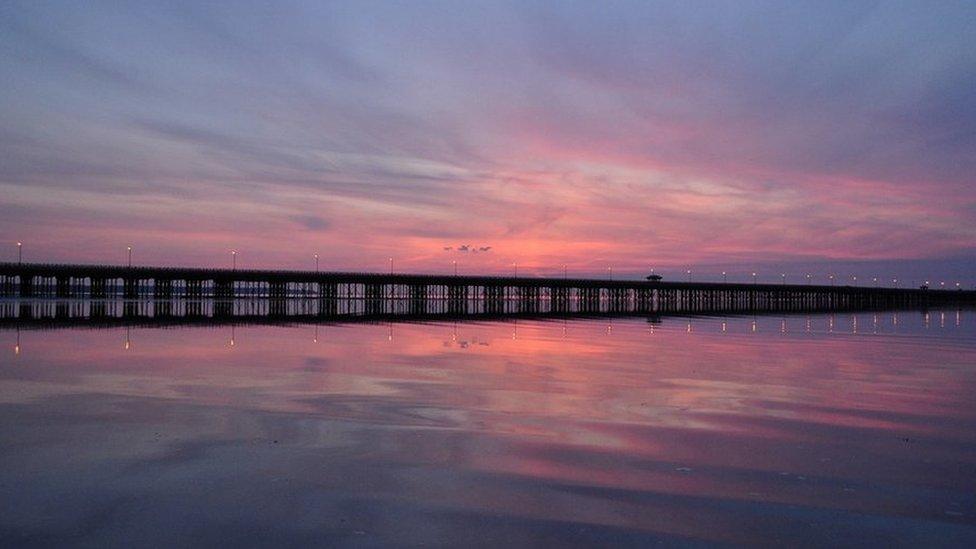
(627, 133)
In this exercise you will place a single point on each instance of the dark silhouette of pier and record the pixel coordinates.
(421, 294)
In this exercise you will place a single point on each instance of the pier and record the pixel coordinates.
(376, 293)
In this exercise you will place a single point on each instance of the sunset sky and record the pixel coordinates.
(772, 136)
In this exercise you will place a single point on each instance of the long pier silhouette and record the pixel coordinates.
(186, 292)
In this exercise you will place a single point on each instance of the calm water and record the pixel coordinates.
(842, 430)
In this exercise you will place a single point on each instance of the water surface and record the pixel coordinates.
(801, 430)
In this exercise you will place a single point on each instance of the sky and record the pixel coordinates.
(603, 138)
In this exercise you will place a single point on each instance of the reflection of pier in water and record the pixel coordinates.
(45, 313)
(832, 323)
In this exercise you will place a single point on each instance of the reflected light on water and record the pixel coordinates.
(542, 433)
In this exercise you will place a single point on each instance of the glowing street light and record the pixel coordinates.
(809, 278)
(391, 265)
(20, 253)
(316, 263)
(689, 275)
(610, 273)
(894, 282)
(753, 277)
(724, 277)
(784, 278)
(831, 277)
(129, 250)
(233, 256)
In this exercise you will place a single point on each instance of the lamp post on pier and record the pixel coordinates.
(233, 256)
(20, 253)
(316, 263)
(129, 251)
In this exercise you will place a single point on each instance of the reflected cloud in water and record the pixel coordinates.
(852, 429)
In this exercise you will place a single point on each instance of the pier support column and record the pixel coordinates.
(97, 288)
(163, 308)
(26, 286)
(278, 290)
(644, 300)
(98, 309)
(457, 299)
(224, 289)
(457, 293)
(494, 297)
(194, 309)
(373, 291)
(618, 299)
(418, 298)
(528, 299)
(134, 309)
(223, 308)
(373, 300)
(328, 307)
(163, 289)
(130, 288)
(328, 290)
(194, 289)
(62, 286)
(278, 306)
(589, 299)
(558, 299)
